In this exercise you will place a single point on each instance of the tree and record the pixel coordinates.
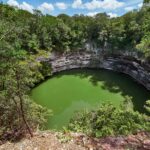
(65, 18)
(61, 37)
(25, 36)
(146, 1)
(33, 43)
(21, 114)
(109, 121)
(147, 106)
(144, 45)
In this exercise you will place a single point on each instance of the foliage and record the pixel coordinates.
(127, 103)
(108, 120)
(63, 33)
(18, 114)
(21, 115)
(144, 46)
(45, 69)
(12, 127)
(146, 1)
(26, 37)
(147, 106)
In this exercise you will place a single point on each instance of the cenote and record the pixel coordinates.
(73, 90)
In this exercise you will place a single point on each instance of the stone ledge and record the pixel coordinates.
(132, 68)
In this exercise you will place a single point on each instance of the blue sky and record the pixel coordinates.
(87, 7)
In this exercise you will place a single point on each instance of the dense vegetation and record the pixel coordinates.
(25, 36)
(34, 32)
(108, 120)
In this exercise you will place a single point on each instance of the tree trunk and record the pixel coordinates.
(21, 106)
(23, 116)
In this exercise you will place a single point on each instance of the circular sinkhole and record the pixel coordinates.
(74, 90)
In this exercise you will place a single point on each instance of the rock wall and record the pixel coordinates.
(140, 72)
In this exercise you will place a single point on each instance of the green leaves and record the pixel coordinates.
(147, 106)
(146, 1)
(144, 46)
(108, 120)
(35, 32)
(33, 43)
(23, 38)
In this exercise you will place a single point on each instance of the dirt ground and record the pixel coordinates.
(49, 140)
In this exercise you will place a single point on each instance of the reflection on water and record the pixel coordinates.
(74, 90)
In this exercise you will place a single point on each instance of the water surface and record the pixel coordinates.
(74, 90)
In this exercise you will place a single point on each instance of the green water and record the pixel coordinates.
(74, 90)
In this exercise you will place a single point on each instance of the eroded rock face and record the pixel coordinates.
(140, 72)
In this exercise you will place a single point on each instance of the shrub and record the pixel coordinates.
(108, 120)
(12, 127)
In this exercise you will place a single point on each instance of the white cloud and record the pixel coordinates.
(96, 4)
(111, 4)
(46, 7)
(140, 5)
(13, 3)
(129, 8)
(26, 6)
(23, 5)
(61, 5)
(77, 4)
(112, 15)
(92, 14)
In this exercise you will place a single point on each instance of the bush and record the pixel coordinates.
(45, 69)
(147, 106)
(108, 120)
(12, 127)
